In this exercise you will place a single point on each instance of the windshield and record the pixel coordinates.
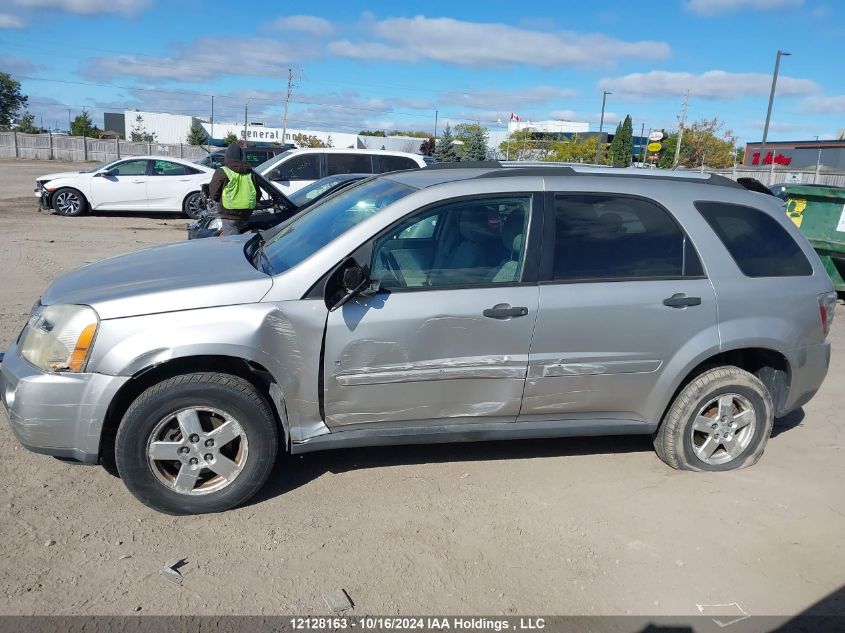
(270, 162)
(315, 189)
(311, 231)
(99, 166)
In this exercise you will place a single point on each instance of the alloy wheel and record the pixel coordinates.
(197, 451)
(723, 428)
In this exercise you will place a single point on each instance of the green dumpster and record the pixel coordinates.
(820, 214)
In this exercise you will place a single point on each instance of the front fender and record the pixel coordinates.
(285, 338)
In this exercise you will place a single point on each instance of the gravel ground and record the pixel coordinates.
(571, 526)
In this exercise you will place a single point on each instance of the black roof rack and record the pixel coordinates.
(469, 164)
(714, 179)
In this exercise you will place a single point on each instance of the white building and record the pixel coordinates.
(173, 128)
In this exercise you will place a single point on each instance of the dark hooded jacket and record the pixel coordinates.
(234, 161)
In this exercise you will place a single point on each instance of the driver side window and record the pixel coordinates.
(474, 242)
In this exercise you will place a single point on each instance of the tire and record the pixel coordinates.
(688, 433)
(191, 482)
(69, 202)
(192, 205)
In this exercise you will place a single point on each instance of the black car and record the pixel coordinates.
(274, 207)
(252, 155)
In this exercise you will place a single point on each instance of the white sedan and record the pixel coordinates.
(137, 183)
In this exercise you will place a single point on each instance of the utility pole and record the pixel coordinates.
(246, 105)
(818, 163)
(212, 119)
(436, 113)
(601, 123)
(287, 100)
(68, 121)
(681, 130)
(643, 142)
(771, 100)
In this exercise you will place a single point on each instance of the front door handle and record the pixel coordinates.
(504, 311)
(680, 300)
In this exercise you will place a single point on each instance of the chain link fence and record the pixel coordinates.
(71, 148)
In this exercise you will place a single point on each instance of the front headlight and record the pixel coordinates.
(60, 337)
(216, 224)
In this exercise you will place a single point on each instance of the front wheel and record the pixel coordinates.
(192, 205)
(196, 443)
(69, 202)
(722, 420)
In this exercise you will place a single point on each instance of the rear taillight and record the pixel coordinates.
(827, 306)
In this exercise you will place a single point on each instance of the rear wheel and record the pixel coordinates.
(192, 205)
(720, 421)
(196, 443)
(69, 202)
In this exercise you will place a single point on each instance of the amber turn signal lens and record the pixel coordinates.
(83, 345)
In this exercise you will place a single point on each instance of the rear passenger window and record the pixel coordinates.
(616, 237)
(759, 245)
(395, 163)
(349, 164)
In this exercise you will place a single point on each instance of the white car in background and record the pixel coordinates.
(136, 183)
(292, 170)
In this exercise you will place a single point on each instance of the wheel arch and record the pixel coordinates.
(770, 366)
(253, 372)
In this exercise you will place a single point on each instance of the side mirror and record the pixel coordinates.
(348, 280)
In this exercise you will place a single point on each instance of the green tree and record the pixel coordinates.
(27, 124)
(82, 125)
(521, 145)
(372, 133)
(139, 133)
(413, 133)
(444, 151)
(229, 139)
(11, 100)
(474, 141)
(705, 143)
(615, 150)
(574, 150)
(196, 134)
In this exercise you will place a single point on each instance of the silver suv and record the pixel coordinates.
(433, 305)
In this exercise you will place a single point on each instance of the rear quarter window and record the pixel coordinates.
(758, 244)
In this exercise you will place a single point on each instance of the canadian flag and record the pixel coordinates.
(514, 117)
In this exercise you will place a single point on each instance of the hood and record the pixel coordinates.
(180, 276)
(59, 174)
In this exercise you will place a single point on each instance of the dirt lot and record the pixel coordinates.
(556, 527)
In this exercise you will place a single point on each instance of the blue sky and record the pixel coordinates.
(390, 65)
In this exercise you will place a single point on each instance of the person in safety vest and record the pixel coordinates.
(235, 190)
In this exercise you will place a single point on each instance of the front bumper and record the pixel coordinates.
(43, 199)
(58, 414)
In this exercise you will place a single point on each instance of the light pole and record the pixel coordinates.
(771, 100)
(601, 123)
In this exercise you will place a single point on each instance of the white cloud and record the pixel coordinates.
(18, 66)
(310, 24)
(8, 21)
(89, 7)
(713, 7)
(713, 84)
(505, 100)
(489, 45)
(205, 59)
(824, 105)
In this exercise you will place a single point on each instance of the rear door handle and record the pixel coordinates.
(505, 312)
(680, 300)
